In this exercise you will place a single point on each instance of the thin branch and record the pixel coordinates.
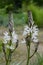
(3, 47)
(34, 51)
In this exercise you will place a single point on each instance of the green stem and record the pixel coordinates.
(9, 56)
(28, 49)
(7, 62)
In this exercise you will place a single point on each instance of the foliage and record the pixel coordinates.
(38, 60)
(0, 46)
(12, 4)
(39, 2)
(37, 15)
(21, 18)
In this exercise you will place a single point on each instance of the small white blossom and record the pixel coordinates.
(35, 40)
(5, 33)
(26, 27)
(4, 41)
(6, 37)
(35, 34)
(14, 37)
(25, 33)
(26, 30)
(10, 47)
(33, 37)
(13, 33)
(33, 30)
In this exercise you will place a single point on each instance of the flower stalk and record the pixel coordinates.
(3, 47)
(28, 50)
(30, 35)
(9, 40)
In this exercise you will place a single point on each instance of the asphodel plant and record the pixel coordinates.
(30, 35)
(10, 40)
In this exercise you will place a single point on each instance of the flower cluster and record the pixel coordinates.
(10, 47)
(7, 38)
(34, 32)
(14, 37)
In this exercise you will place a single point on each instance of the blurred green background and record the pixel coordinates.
(21, 17)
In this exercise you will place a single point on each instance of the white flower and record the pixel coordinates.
(26, 27)
(35, 34)
(33, 37)
(13, 33)
(25, 33)
(5, 33)
(26, 30)
(14, 37)
(33, 30)
(6, 38)
(23, 41)
(10, 47)
(4, 41)
(35, 40)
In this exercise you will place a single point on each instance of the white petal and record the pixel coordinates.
(10, 47)
(25, 33)
(14, 40)
(7, 38)
(35, 34)
(5, 42)
(26, 30)
(14, 37)
(6, 33)
(35, 40)
(34, 37)
(26, 27)
(13, 33)
(35, 28)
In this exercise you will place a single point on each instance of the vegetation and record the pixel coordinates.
(21, 18)
(18, 13)
(39, 60)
